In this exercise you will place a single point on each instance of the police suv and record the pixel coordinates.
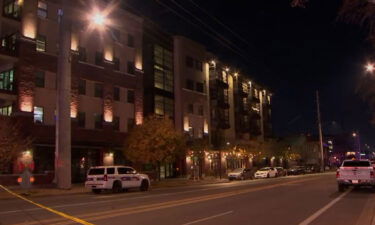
(115, 178)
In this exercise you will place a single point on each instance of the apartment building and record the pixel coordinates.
(107, 72)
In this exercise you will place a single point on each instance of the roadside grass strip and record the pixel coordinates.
(95, 216)
(66, 216)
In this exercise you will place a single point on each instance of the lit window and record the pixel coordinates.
(42, 9)
(6, 80)
(38, 114)
(6, 111)
(163, 106)
(163, 64)
(41, 43)
(12, 9)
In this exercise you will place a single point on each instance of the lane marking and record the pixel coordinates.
(75, 219)
(208, 218)
(94, 216)
(322, 210)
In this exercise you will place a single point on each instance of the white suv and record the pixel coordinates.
(116, 178)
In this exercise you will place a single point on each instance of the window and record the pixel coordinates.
(116, 62)
(198, 65)
(125, 170)
(256, 95)
(38, 114)
(98, 121)
(111, 170)
(40, 43)
(189, 62)
(39, 79)
(163, 75)
(9, 42)
(130, 96)
(116, 93)
(116, 35)
(98, 90)
(6, 80)
(12, 9)
(116, 123)
(81, 119)
(82, 87)
(200, 87)
(130, 41)
(42, 9)
(189, 84)
(163, 106)
(6, 110)
(82, 54)
(191, 108)
(130, 67)
(131, 123)
(98, 58)
(200, 110)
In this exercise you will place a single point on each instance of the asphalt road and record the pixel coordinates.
(300, 200)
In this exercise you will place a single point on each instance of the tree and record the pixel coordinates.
(155, 142)
(12, 142)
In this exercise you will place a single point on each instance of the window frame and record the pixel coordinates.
(35, 114)
(98, 90)
(42, 12)
(40, 81)
(41, 43)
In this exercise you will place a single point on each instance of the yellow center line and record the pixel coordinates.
(75, 219)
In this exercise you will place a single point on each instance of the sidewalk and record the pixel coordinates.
(80, 189)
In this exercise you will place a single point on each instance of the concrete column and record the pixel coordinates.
(63, 124)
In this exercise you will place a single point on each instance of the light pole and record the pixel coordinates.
(63, 124)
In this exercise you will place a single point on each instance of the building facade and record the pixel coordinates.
(106, 65)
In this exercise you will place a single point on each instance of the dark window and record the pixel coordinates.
(131, 69)
(98, 58)
(98, 121)
(82, 87)
(200, 110)
(125, 170)
(42, 9)
(81, 119)
(116, 35)
(116, 93)
(131, 124)
(39, 79)
(198, 65)
(12, 9)
(40, 43)
(6, 80)
(98, 90)
(111, 170)
(130, 40)
(189, 62)
(116, 123)
(116, 65)
(96, 171)
(191, 108)
(9, 42)
(189, 84)
(82, 54)
(356, 164)
(130, 96)
(200, 87)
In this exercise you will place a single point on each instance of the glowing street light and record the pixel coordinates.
(370, 68)
(98, 19)
(354, 134)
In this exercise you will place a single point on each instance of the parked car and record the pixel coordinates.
(240, 174)
(115, 178)
(280, 171)
(266, 172)
(355, 173)
(312, 168)
(296, 170)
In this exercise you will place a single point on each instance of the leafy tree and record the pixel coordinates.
(12, 142)
(154, 142)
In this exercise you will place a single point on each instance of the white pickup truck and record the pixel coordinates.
(355, 173)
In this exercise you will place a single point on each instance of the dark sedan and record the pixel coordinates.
(296, 170)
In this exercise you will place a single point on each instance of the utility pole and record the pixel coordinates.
(320, 133)
(63, 124)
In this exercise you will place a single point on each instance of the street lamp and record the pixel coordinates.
(98, 19)
(370, 67)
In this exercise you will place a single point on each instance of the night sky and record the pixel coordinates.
(292, 51)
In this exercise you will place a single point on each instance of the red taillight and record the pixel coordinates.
(372, 174)
(337, 174)
(105, 177)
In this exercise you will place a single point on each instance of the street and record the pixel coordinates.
(309, 199)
